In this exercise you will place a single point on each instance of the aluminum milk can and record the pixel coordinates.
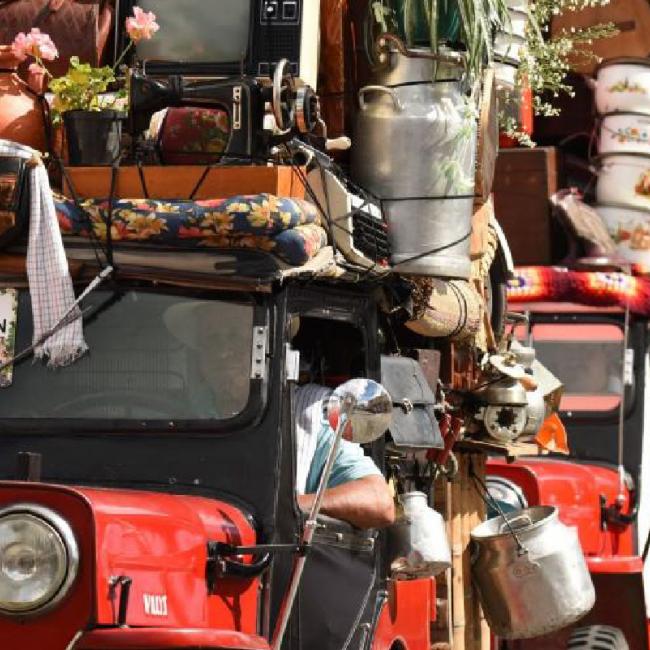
(414, 147)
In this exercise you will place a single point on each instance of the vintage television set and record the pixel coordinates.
(223, 38)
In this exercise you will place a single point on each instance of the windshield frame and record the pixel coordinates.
(251, 414)
(574, 416)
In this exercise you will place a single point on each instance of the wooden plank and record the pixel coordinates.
(176, 182)
(458, 596)
(512, 450)
(466, 506)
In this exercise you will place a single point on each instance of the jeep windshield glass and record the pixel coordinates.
(152, 356)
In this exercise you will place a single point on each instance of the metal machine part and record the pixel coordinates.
(504, 410)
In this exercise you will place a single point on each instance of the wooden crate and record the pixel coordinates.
(524, 181)
(178, 181)
(632, 19)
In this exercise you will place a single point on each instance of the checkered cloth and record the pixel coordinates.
(50, 284)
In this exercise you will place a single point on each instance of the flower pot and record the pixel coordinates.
(624, 133)
(623, 84)
(448, 22)
(514, 102)
(624, 179)
(21, 115)
(630, 229)
(93, 137)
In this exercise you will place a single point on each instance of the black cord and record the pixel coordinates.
(94, 239)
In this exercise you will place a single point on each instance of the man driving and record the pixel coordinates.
(356, 491)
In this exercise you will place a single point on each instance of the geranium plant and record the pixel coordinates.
(82, 86)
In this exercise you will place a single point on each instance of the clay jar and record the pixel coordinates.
(21, 116)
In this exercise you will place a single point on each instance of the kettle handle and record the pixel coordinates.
(397, 104)
(507, 524)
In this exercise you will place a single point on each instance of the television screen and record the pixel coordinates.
(214, 31)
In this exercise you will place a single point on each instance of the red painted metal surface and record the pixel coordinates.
(575, 489)
(157, 639)
(405, 617)
(616, 564)
(157, 540)
(55, 629)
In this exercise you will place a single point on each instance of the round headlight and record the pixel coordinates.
(38, 558)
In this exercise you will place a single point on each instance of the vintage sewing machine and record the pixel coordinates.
(247, 101)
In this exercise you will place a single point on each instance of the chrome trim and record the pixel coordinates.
(64, 530)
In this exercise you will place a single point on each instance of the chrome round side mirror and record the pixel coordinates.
(365, 404)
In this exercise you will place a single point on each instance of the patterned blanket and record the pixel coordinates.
(289, 228)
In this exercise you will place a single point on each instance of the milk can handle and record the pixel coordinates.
(380, 89)
(507, 524)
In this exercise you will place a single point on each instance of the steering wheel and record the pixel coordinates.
(283, 84)
(123, 398)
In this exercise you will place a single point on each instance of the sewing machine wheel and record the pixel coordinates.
(284, 92)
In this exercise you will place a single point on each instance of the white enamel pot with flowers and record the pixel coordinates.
(623, 85)
(624, 133)
(623, 179)
(630, 230)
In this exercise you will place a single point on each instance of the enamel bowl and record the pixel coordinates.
(630, 230)
(624, 133)
(623, 179)
(509, 46)
(623, 85)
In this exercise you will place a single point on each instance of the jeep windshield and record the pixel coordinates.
(160, 357)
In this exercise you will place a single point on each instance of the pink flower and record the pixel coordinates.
(142, 25)
(21, 46)
(35, 44)
(35, 68)
(44, 47)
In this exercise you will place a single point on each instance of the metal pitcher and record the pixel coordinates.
(417, 541)
(414, 147)
(530, 573)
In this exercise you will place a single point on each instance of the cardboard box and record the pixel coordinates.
(179, 181)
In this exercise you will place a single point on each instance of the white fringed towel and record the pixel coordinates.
(50, 284)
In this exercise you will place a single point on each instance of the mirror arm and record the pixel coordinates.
(310, 527)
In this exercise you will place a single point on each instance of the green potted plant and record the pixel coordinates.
(92, 119)
(546, 61)
(468, 25)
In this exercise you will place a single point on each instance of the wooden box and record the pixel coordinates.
(179, 181)
(630, 17)
(524, 181)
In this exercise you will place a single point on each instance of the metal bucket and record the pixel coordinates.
(530, 573)
(414, 147)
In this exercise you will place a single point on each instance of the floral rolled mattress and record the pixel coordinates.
(287, 227)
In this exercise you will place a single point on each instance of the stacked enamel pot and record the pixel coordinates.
(622, 89)
(509, 44)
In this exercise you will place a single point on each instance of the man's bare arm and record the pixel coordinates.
(365, 502)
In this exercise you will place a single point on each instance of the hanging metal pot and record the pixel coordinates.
(530, 573)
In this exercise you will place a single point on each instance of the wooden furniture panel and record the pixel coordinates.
(178, 182)
(631, 17)
(524, 181)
